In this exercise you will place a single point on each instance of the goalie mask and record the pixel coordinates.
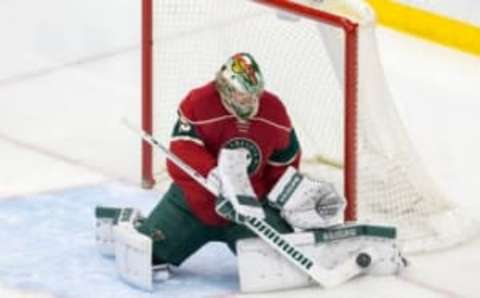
(240, 84)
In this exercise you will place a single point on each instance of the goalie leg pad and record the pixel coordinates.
(276, 273)
(386, 260)
(133, 259)
(336, 249)
(106, 219)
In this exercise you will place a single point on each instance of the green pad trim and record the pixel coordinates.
(288, 190)
(353, 231)
(108, 212)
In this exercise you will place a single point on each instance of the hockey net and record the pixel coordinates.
(321, 58)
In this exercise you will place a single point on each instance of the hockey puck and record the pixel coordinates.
(363, 260)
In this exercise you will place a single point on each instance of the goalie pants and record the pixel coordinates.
(176, 233)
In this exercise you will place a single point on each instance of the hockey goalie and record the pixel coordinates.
(242, 187)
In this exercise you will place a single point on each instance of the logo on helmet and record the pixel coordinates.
(244, 68)
(240, 84)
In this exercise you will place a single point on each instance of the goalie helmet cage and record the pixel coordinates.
(321, 58)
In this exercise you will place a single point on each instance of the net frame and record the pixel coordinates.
(381, 175)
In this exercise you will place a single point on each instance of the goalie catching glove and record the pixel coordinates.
(236, 200)
(306, 203)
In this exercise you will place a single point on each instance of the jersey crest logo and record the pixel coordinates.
(254, 154)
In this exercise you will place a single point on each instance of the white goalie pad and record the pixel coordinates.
(104, 237)
(235, 183)
(306, 203)
(108, 217)
(133, 258)
(262, 269)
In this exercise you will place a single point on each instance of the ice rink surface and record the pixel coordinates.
(66, 80)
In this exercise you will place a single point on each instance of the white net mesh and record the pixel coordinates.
(303, 62)
(393, 183)
(188, 53)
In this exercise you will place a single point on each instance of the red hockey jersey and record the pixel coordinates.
(205, 126)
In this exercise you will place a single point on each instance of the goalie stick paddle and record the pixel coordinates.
(324, 277)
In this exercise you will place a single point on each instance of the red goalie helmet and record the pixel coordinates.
(240, 84)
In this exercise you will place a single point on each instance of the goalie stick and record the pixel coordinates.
(324, 277)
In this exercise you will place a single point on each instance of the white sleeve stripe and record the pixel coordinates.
(207, 121)
(282, 127)
(187, 139)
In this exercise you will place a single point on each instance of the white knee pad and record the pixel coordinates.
(106, 219)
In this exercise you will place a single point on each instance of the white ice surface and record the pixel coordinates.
(48, 245)
(63, 150)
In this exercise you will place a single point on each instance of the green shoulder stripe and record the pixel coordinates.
(284, 156)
